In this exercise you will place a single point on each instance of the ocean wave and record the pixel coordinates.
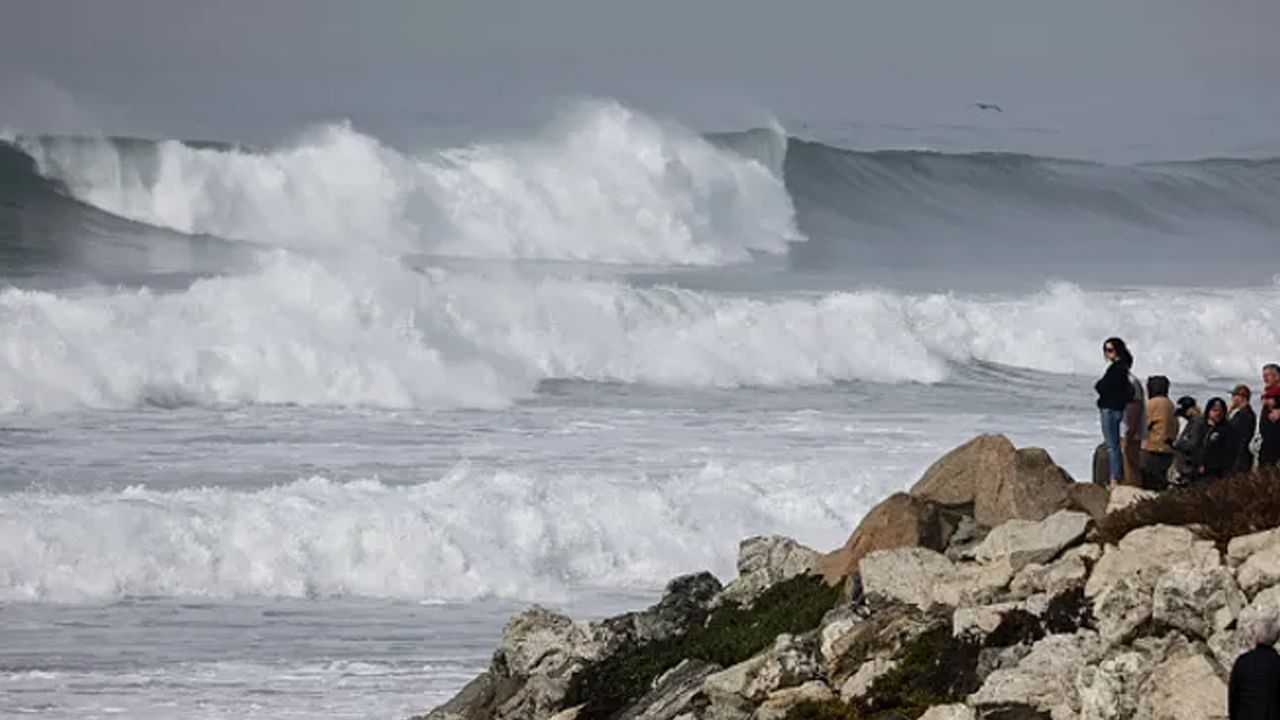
(469, 534)
(603, 184)
(300, 331)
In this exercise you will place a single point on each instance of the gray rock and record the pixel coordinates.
(859, 683)
(790, 662)
(1066, 573)
(780, 702)
(949, 712)
(1261, 570)
(673, 694)
(1122, 607)
(684, 604)
(846, 646)
(1025, 541)
(1185, 687)
(1241, 548)
(541, 642)
(976, 622)
(910, 576)
(1043, 681)
(1198, 601)
(1109, 689)
(1228, 644)
(1147, 552)
(764, 562)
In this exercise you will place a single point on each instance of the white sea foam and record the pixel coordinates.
(604, 184)
(466, 535)
(376, 334)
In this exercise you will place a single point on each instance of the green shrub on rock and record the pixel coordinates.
(731, 634)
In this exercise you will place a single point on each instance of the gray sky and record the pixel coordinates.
(259, 69)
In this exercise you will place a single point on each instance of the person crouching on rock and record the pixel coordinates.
(1207, 448)
(1114, 394)
(1254, 691)
(1162, 430)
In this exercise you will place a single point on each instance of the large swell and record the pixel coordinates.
(321, 307)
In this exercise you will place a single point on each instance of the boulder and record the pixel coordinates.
(1090, 498)
(859, 683)
(1227, 645)
(975, 623)
(1184, 687)
(910, 576)
(901, 520)
(1122, 607)
(957, 711)
(1123, 496)
(846, 646)
(541, 642)
(1241, 548)
(780, 702)
(1261, 570)
(1026, 541)
(790, 662)
(1109, 689)
(974, 583)
(1043, 681)
(1063, 574)
(1147, 552)
(764, 562)
(673, 692)
(684, 603)
(1000, 482)
(1198, 601)
(726, 690)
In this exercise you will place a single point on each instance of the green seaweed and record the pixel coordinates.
(732, 633)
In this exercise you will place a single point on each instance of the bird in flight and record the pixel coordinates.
(990, 107)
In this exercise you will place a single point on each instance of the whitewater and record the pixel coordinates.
(289, 431)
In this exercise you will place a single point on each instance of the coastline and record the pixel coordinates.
(998, 587)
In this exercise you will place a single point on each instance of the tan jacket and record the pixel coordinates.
(1162, 426)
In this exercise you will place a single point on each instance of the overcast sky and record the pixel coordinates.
(259, 69)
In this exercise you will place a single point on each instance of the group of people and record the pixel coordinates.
(1147, 445)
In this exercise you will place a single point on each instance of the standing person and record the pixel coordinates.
(1207, 449)
(1243, 424)
(1114, 394)
(1135, 427)
(1269, 423)
(1162, 430)
(1254, 692)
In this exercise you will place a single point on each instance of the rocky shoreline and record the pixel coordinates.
(997, 588)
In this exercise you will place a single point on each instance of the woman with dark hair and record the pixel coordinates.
(1114, 394)
(1162, 430)
(1207, 449)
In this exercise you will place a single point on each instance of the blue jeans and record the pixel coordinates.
(1111, 434)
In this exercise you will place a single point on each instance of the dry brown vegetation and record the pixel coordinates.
(1220, 510)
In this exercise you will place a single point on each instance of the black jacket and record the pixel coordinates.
(1201, 445)
(1255, 686)
(1114, 389)
(1243, 425)
(1269, 453)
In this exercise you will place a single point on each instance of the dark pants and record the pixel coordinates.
(1155, 470)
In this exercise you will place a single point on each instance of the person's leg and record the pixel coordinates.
(1111, 434)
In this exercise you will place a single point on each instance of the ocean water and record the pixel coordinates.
(289, 430)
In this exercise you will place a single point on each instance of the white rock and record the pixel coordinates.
(1261, 570)
(859, 684)
(949, 712)
(1183, 688)
(1240, 548)
(1148, 552)
(1122, 496)
(787, 664)
(978, 621)
(1024, 542)
(569, 714)
(1122, 607)
(539, 641)
(910, 576)
(1198, 601)
(974, 583)
(1044, 680)
(730, 684)
(764, 562)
